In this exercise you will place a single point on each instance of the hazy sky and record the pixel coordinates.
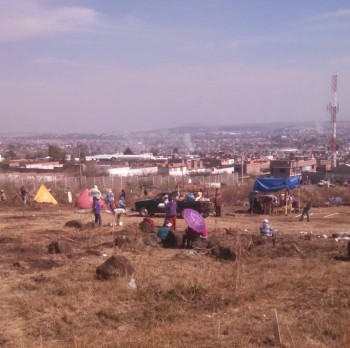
(111, 65)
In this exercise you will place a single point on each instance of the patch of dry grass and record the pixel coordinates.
(182, 299)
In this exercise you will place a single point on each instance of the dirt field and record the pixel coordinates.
(183, 299)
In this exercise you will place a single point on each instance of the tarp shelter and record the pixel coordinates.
(84, 201)
(44, 196)
(276, 184)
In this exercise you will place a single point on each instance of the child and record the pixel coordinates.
(96, 208)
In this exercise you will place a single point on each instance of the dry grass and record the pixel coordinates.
(182, 299)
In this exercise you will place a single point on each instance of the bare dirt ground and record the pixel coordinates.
(183, 298)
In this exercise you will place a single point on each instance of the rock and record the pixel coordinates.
(74, 224)
(224, 253)
(115, 266)
(60, 247)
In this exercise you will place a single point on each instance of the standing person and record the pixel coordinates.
(2, 196)
(96, 208)
(145, 192)
(282, 199)
(306, 211)
(110, 199)
(171, 212)
(190, 197)
(199, 195)
(24, 194)
(123, 194)
(95, 192)
(217, 202)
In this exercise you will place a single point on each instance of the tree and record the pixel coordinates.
(154, 152)
(128, 151)
(56, 154)
(10, 154)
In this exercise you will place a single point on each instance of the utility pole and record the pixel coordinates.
(80, 172)
(333, 108)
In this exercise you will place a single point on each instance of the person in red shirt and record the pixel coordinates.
(191, 235)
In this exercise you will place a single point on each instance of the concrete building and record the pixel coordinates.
(291, 167)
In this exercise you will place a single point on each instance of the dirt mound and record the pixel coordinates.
(74, 224)
(146, 227)
(224, 253)
(152, 240)
(115, 266)
(129, 239)
(60, 247)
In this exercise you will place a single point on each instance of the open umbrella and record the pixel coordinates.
(194, 220)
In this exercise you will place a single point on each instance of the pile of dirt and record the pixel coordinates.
(115, 266)
(60, 247)
(74, 224)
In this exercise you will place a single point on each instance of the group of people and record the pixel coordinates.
(117, 207)
(197, 196)
(267, 230)
(269, 204)
(165, 232)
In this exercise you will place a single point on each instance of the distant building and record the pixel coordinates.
(340, 173)
(288, 168)
(323, 165)
(118, 156)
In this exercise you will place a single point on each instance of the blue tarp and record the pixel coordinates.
(276, 184)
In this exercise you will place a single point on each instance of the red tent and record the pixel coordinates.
(84, 201)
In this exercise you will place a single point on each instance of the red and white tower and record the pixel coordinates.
(333, 108)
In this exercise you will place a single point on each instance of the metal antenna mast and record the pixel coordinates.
(333, 108)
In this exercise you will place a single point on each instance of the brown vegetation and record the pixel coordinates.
(182, 298)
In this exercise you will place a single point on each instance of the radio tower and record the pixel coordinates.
(333, 108)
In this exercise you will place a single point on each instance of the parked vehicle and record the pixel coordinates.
(150, 207)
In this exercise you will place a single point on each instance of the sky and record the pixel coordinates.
(115, 65)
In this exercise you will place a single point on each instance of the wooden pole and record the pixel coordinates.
(275, 325)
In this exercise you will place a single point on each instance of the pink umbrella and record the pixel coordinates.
(194, 220)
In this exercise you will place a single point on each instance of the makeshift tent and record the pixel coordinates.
(84, 201)
(276, 184)
(44, 196)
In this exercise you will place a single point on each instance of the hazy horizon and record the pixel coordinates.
(77, 66)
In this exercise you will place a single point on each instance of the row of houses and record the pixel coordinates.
(146, 164)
